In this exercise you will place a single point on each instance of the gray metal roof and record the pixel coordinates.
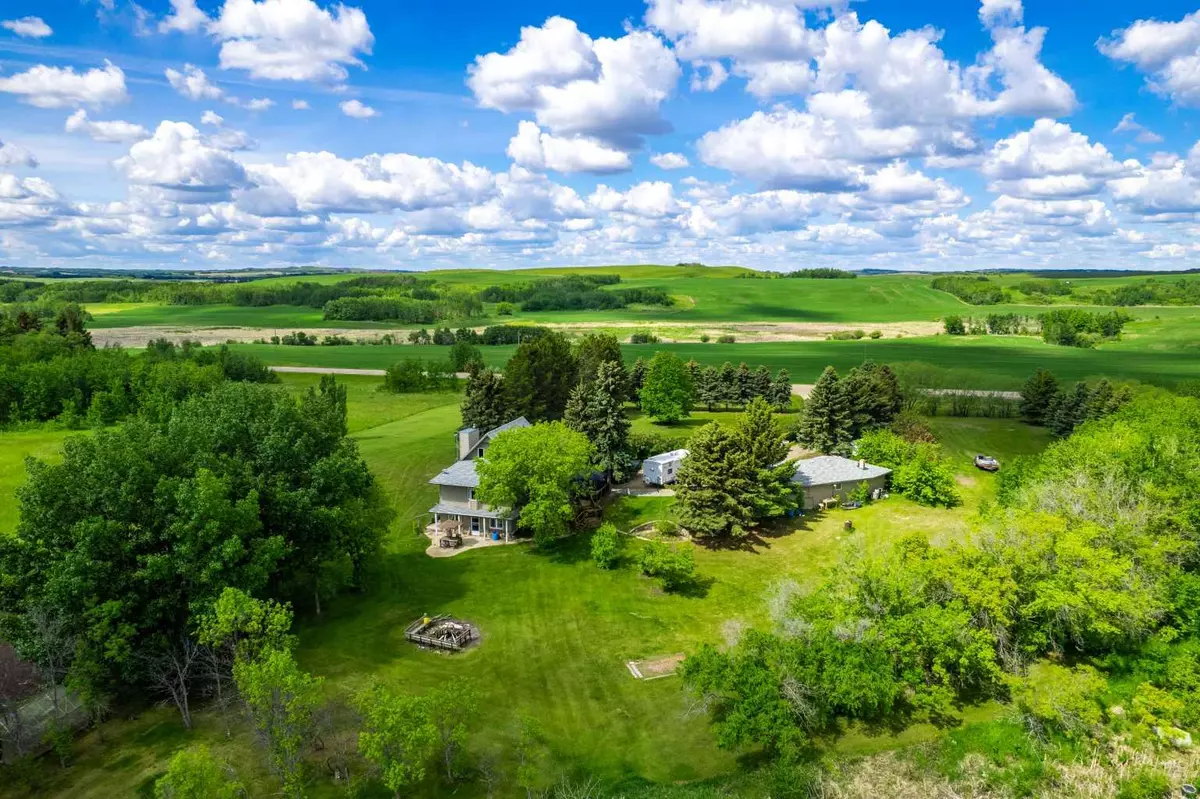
(464, 509)
(459, 473)
(667, 457)
(520, 421)
(829, 469)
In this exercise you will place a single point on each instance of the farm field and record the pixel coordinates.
(556, 630)
(699, 295)
(1161, 352)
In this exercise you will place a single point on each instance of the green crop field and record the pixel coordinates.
(1165, 351)
(556, 630)
(702, 296)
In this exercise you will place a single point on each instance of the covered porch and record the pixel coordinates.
(471, 519)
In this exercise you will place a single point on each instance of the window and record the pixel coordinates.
(474, 524)
(837, 486)
(479, 452)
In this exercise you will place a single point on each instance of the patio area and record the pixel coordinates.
(453, 529)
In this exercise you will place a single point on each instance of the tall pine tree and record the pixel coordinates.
(713, 485)
(727, 383)
(825, 424)
(1036, 395)
(598, 412)
(781, 391)
(758, 435)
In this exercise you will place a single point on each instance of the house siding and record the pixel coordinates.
(815, 495)
(455, 493)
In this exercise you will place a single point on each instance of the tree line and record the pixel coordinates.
(1067, 327)
(1047, 404)
(49, 370)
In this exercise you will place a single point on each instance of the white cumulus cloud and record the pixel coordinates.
(185, 17)
(61, 87)
(104, 131)
(29, 27)
(1168, 53)
(356, 109)
(291, 39)
(669, 160)
(193, 84)
(533, 148)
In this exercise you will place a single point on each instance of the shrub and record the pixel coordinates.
(336, 341)
(876, 334)
(860, 493)
(673, 567)
(704, 338)
(1061, 699)
(954, 325)
(845, 335)
(298, 339)
(505, 309)
(606, 546)
(726, 338)
(913, 429)
(643, 338)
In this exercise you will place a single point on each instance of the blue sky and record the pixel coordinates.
(775, 134)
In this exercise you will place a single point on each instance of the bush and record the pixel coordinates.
(704, 338)
(845, 335)
(954, 325)
(413, 374)
(860, 493)
(336, 341)
(298, 339)
(726, 338)
(606, 546)
(505, 309)
(1061, 699)
(876, 334)
(673, 567)
(643, 338)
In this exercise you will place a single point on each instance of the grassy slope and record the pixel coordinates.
(556, 629)
(14, 448)
(701, 296)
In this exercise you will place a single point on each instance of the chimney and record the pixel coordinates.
(468, 437)
(862, 464)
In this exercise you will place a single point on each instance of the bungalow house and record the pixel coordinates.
(827, 477)
(457, 507)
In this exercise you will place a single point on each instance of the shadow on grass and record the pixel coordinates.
(760, 540)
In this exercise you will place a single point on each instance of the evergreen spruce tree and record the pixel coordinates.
(745, 384)
(761, 380)
(609, 426)
(637, 377)
(759, 437)
(727, 384)
(1036, 396)
(708, 388)
(1071, 410)
(825, 424)
(693, 370)
(1101, 401)
(713, 485)
(484, 405)
(781, 391)
(576, 415)
(874, 395)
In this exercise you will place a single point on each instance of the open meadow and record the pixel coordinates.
(556, 630)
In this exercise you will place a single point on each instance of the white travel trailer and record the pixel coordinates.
(660, 470)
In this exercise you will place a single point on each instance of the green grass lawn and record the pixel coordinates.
(15, 446)
(556, 630)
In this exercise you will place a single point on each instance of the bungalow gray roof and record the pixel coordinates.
(829, 469)
(459, 473)
(520, 421)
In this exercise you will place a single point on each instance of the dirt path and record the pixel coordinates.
(668, 331)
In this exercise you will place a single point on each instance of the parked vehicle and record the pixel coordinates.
(987, 463)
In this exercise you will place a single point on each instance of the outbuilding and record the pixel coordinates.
(661, 470)
(832, 477)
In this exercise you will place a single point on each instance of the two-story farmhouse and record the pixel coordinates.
(457, 509)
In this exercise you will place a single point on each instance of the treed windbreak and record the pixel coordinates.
(138, 530)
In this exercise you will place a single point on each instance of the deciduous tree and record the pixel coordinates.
(667, 391)
(535, 469)
(282, 701)
(398, 737)
(539, 377)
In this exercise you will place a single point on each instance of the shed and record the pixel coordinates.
(834, 477)
(660, 470)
